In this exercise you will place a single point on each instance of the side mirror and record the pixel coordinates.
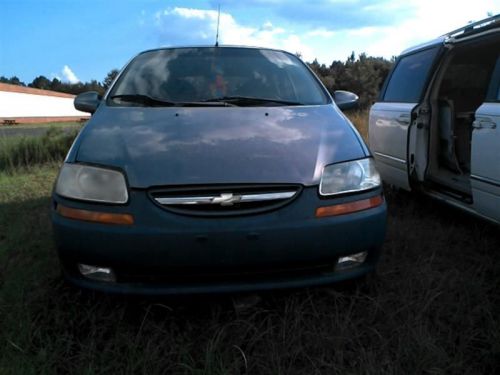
(87, 101)
(345, 99)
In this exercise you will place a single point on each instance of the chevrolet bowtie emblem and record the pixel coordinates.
(226, 199)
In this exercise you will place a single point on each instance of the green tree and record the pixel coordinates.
(55, 84)
(363, 75)
(12, 80)
(41, 82)
(110, 77)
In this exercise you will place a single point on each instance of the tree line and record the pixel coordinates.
(42, 82)
(363, 75)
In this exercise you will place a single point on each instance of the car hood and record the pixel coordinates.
(221, 145)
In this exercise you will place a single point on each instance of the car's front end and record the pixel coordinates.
(217, 196)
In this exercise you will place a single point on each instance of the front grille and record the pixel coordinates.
(224, 200)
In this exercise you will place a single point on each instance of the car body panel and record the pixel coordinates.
(181, 146)
(162, 243)
(388, 131)
(190, 147)
(485, 161)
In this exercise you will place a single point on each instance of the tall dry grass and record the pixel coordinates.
(360, 120)
(21, 152)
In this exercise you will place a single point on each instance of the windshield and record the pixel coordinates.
(217, 74)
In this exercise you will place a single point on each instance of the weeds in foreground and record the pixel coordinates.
(22, 152)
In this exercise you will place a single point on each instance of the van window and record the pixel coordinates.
(409, 77)
(494, 88)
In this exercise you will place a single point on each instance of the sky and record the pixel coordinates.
(80, 40)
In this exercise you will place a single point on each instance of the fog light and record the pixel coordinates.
(351, 261)
(97, 273)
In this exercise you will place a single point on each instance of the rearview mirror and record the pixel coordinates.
(87, 101)
(345, 99)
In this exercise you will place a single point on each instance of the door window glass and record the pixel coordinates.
(409, 77)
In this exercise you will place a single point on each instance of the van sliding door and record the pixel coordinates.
(485, 159)
(392, 117)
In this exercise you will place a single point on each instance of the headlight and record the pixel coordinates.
(94, 184)
(351, 176)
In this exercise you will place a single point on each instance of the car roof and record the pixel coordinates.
(489, 23)
(213, 46)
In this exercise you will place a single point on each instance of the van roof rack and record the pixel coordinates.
(475, 27)
(487, 24)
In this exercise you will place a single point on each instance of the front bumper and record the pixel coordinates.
(167, 253)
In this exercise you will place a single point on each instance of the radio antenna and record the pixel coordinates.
(217, 35)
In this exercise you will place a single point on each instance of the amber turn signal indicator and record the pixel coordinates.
(95, 216)
(348, 208)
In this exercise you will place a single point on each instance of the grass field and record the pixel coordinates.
(43, 125)
(432, 308)
(23, 151)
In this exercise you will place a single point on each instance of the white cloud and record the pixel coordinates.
(364, 31)
(402, 25)
(69, 75)
(267, 26)
(321, 32)
(430, 19)
(203, 25)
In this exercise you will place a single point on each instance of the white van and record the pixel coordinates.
(436, 126)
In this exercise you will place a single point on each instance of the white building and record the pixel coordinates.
(29, 105)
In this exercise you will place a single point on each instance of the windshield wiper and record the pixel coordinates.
(143, 99)
(250, 101)
(150, 101)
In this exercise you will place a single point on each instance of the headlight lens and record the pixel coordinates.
(90, 183)
(351, 176)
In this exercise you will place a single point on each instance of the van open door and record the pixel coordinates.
(485, 155)
(388, 134)
(395, 114)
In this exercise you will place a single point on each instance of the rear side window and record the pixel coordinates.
(494, 88)
(409, 77)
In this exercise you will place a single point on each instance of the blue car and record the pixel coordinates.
(216, 169)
